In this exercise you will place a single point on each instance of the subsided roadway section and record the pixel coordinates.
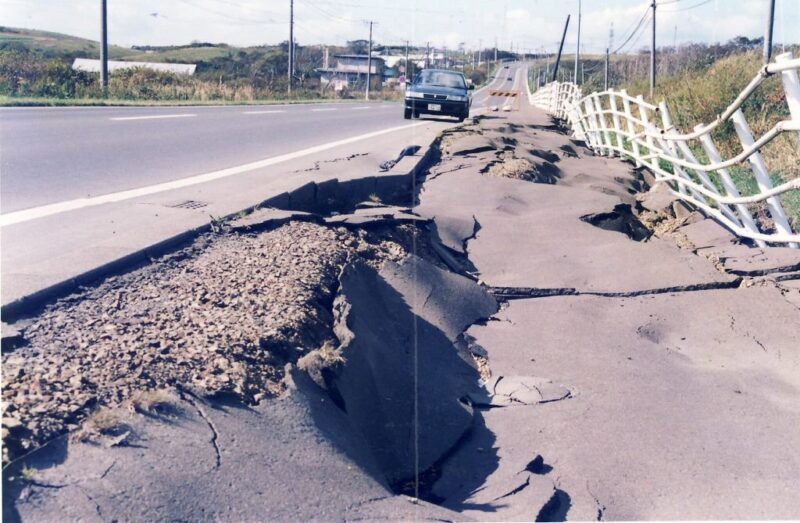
(54, 250)
(651, 379)
(59, 244)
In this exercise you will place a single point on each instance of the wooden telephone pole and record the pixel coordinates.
(369, 62)
(653, 53)
(290, 72)
(104, 47)
(560, 49)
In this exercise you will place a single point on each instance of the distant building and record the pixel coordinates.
(93, 66)
(350, 72)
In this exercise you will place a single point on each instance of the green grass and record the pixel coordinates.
(189, 55)
(57, 44)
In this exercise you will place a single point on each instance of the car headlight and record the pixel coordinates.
(413, 94)
(455, 98)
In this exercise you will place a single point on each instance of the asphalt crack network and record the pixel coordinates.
(517, 490)
(195, 402)
(523, 293)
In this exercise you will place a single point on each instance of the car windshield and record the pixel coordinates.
(440, 79)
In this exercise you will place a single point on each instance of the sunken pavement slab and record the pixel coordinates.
(634, 376)
(516, 346)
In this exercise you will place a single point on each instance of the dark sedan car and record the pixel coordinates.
(437, 91)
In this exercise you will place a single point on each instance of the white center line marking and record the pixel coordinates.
(321, 110)
(80, 203)
(263, 112)
(360, 108)
(153, 117)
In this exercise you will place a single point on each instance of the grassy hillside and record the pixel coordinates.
(187, 54)
(57, 45)
(37, 65)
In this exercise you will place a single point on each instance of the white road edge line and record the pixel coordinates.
(361, 108)
(323, 110)
(81, 203)
(152, 117)
(262, 112)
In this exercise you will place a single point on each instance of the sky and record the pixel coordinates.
(528, 25)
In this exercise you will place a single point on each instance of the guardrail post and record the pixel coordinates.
(626, 104)
(588, 104)
(671, 146)
(612, 100)
(761, 174)
(606, 136)
(651, 150)
(791, 86)
(730, 187)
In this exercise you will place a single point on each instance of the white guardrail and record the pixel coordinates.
(615, 123)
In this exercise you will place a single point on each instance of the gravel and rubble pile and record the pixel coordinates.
(512, 167)
(222, 316)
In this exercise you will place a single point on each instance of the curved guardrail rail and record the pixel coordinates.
(615, 123)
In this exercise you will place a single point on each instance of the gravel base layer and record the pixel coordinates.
(225, 315)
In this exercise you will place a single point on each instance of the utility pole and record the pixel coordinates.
(578, 45)
(291, 45)
(369, 61)
(606, 75)
(768, 35)
(653, 54)
(495, 51)
(561, 48)
(408, 68)
(104, 47)
(480, 52)
(427, 54)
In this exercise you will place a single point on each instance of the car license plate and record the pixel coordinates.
(434, 107)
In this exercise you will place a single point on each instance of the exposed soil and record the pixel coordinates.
(223, 316)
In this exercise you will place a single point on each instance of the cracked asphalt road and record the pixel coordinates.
(654, 379)
(682, 368)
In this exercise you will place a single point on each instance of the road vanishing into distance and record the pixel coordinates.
(51, 155)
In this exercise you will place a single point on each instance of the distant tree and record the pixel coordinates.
(742, 42)
(358, 46)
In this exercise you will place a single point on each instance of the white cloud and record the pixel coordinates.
(529, 24)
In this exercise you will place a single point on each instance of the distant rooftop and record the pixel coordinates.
(362, 56)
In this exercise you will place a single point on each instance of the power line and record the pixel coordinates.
(230, 17)
(642, 23)
(704, 2)
(328, 14)
(238, 5)
(395, 8)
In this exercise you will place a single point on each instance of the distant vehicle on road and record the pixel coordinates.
(510, 79)
(437, 91)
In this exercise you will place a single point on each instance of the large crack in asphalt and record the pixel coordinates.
(524, 293)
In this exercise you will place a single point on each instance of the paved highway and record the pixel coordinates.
(52, 155)
(82, 188)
